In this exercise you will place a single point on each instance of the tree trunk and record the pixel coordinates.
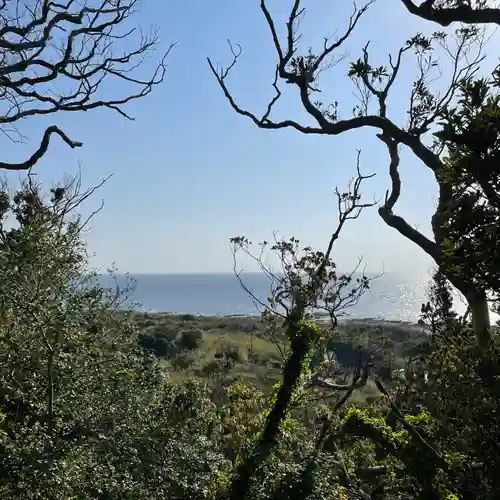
(292, 370)
(478, 304)
(480, 317)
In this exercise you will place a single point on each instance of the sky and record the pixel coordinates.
(189, 173)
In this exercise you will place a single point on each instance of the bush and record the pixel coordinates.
(230, 352)
(216, 367)
(181, 362)
(159, 345)
(168, 332)
(190, 339)
(84, 413)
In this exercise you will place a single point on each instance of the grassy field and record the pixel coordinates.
(231, 348)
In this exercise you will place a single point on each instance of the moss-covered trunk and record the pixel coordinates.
(300, 343)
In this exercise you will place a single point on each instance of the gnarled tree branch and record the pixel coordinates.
(42, 149)
(72, 46)
(302, 71)
(446, 15)
(386, 210)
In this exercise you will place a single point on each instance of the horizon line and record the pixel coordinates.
(212, 273)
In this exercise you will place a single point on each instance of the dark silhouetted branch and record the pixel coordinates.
(459, 14)
(42, 149)
(386, 210)
(74, 43)
(302, 71)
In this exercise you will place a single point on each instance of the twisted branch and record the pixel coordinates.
(463, 13)
(71, 46)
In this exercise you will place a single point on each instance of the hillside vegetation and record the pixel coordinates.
(99, 403)
(240, 348)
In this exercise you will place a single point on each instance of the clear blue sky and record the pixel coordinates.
(190, 173)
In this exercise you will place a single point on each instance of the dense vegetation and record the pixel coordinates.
(97, 402)
(106, 404)
(221, 350)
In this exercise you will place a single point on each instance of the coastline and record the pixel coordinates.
(342, 321)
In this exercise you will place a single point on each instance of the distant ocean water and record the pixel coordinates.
(390, 297)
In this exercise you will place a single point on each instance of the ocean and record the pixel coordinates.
(390, 297)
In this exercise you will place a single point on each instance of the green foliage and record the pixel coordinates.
(85, 413)
(190, 339)
(229, 352)
(469, 130)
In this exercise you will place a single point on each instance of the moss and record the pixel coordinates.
(422, 418)
(375, 427)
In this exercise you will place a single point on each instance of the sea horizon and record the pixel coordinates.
(391, 297)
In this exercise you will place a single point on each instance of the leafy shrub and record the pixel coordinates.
(231, 352)
(166, 331)
(181, 361)
(216, 367)
(190, 339)
(161, 346)
(84, 413)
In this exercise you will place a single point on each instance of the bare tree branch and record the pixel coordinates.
(55, 57)
(42, 149)
(283, 286)
(386, 210)
(474, 295)
(302, 72)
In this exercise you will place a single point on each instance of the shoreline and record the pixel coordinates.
(343, 321)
